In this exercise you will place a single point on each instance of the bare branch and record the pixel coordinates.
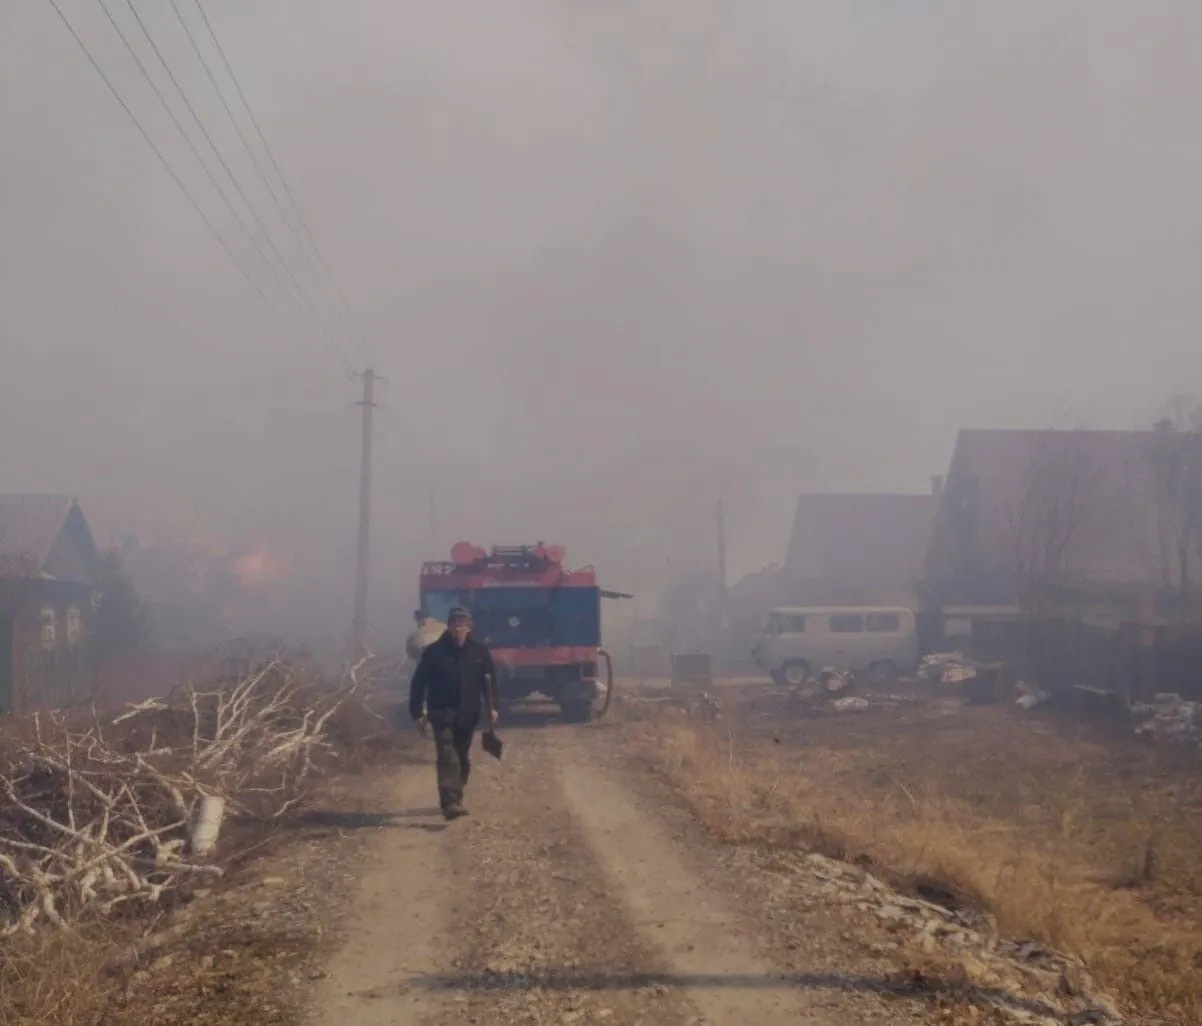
(1060, 485)
(91, 822)
(1175, 462)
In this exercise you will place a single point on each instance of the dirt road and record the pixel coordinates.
(572, 893)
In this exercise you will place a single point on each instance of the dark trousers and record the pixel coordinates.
(452, 747)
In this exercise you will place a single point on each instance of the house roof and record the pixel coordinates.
(29, 527)
(859, 537)
(1104, 481)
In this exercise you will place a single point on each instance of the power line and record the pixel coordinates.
(283, 180)
(191, 146)
(234, 181)
(168, 168)
(365, 347)
(187, 139)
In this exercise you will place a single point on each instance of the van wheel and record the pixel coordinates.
(778, 678)
(883, 671)
(796, 673)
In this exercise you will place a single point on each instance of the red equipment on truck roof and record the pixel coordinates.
(472, 566)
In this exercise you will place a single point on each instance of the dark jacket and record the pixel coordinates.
(449, 677)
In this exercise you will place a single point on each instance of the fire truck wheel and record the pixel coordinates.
(576, 712)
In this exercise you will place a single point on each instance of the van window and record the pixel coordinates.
(773, 624)
(847, 623)
(794, 625)
(884, 623)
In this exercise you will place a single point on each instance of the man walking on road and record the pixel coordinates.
(454, 676)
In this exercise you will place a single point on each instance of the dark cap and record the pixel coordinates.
(459, 613)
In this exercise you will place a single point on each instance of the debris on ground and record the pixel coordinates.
(252, 948)
(706, 707)
(947, 668)
(698, 705)
(850, 703)
(808, 702)
(1022, 980)
(1030, 696)
(833, 681)
(1170, 718)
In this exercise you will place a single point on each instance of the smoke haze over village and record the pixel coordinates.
(615, 261)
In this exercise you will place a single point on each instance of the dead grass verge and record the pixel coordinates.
(1092, 848)
(55, 978)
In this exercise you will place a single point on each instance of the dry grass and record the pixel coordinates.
(1088, 845)
(54, 978)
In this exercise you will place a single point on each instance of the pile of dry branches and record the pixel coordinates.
(96, 815)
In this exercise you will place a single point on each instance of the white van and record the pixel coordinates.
(794, 643)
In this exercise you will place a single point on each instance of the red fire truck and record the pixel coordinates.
(541, 620)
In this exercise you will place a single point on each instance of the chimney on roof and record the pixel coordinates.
(936, 484)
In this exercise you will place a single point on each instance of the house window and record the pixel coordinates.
(847, 624)
(74, 626)
(49, 628)
(883, 623)
(97, 598)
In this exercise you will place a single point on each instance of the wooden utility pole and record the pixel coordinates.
(363, 555)
(720, 520)
(723, 618)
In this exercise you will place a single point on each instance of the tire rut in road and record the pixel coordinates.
(391, 932)
(698, 932)
(812, 942)
(538, 938)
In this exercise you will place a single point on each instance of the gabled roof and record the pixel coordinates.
(859, 537)
(30, 526)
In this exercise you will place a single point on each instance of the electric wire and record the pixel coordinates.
(279, 172)
(357, 332)
(174, 175)
(303, 295)
(188, 140)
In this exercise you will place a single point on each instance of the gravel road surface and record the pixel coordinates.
(574, 892)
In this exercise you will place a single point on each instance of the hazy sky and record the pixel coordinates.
(614, 259)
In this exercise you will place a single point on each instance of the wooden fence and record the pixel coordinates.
(1135, 660)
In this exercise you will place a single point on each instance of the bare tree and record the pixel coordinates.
(1058, 493)
(1175, 456)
